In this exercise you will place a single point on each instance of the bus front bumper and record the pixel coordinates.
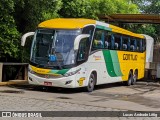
(65, 82)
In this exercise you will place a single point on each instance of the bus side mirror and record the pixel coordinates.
(24, 37)
(78, 39)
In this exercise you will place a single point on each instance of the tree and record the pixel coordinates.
(75, 8)
(93, 8)
(150, 7)
(29, 13)
(153, 7)
(117, 6)
(9, 42)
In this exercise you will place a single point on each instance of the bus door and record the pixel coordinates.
(82, 57)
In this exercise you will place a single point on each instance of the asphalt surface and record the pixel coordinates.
(144, 96)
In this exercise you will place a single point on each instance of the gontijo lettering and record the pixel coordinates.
(130, 57)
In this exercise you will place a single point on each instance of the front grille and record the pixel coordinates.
(48, 75)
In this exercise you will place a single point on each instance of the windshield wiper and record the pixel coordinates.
(39, 59)
(52, 66)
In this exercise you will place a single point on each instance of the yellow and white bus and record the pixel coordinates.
(73, 53)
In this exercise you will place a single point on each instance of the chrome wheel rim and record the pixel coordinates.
(91, 83)
(134, 78)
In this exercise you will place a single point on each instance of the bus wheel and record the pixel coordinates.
(91, 83)
(130, 78)
(134, 78)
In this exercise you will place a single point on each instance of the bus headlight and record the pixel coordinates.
(72, 73)
(30, 70)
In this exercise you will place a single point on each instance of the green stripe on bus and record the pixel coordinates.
(109, 63)
(116, 64)
(63, 71)
(103, 28)
(53, 71)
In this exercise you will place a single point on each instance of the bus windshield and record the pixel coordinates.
(58, 44)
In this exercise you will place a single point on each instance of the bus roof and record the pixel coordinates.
(125, 32)
(77, 23)
(66, 23)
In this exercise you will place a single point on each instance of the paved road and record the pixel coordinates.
(112, 97)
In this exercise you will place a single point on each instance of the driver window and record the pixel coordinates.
(83, 49)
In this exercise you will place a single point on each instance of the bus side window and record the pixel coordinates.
(112, 41)
(107, 43)
(132, 45)
(135, 44)
(124, 43)
(141, 48)
(129, 43)
(117, 43)
(138, 45)
(124, 46)
(143, 45)
(121, 43)
(98, 40)
(83, 49)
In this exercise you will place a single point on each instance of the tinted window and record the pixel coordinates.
(107, 43)
(143, 45)
(138, 45)
(117, 42)
(88, 30)
(141, 49)
(83, 50)
(125, 43)
(132, 44)
(98, 40)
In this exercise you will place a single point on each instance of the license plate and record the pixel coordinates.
(48, 83)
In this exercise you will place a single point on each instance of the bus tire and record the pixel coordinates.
(130, 77)
(135, 75)
(91, 83)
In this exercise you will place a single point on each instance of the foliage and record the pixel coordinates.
(75, 8)
(117, 6)
(153, 7)
(29, 13)
(9, 42)
(150, 7)
(147, 29)
(93, 8)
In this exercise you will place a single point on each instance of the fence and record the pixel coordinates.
(20, 71)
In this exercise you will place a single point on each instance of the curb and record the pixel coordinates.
(14, 82)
